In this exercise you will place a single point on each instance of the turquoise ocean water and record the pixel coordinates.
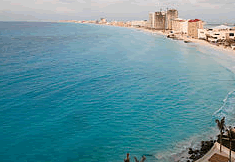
(80, 92)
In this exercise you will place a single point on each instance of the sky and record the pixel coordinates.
(54, 10)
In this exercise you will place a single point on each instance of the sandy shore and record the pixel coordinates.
(218, 48)
(197, 41)
(184, 37)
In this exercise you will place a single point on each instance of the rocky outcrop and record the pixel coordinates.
(198, 153)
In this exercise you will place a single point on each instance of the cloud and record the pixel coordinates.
(121, 9)
(44, 2)
(70, 1)
(216, 1)
(64, 10)
(59, 1)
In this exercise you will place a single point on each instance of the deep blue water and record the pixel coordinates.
(80, 92)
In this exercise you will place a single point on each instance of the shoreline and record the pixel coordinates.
(196, 41)
(193, 154)
(140, 89)
(181, 38)
(190, 153)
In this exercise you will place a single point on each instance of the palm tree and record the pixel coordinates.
(230, 143)
(142, 160)
(230, 139)
(221, 126)
(127, 158)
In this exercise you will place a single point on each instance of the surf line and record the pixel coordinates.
(225, 101)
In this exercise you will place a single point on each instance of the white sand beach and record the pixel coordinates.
(197, 41)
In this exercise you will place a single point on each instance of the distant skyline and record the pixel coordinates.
(39, 10)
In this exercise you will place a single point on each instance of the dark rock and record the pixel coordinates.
(205, 147)
(196, 151)
(192, 157)
(190, 151)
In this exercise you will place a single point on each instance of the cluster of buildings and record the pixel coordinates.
(162, 20)
(166, 21)
(217, 34)
(169, 22)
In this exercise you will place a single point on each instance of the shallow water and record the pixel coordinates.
(80, 92)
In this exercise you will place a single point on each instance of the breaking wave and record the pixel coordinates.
(227, 110)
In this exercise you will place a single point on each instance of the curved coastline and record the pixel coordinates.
(182, 38)
(184, 154)
(197, 41)
(201, 147)
(125, 83)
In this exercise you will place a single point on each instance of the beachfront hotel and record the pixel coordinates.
(180, 26)
(170, 16)
(162, 20)
(193, 26)
(157, 20)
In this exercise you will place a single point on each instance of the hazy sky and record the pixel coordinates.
(208, 10)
